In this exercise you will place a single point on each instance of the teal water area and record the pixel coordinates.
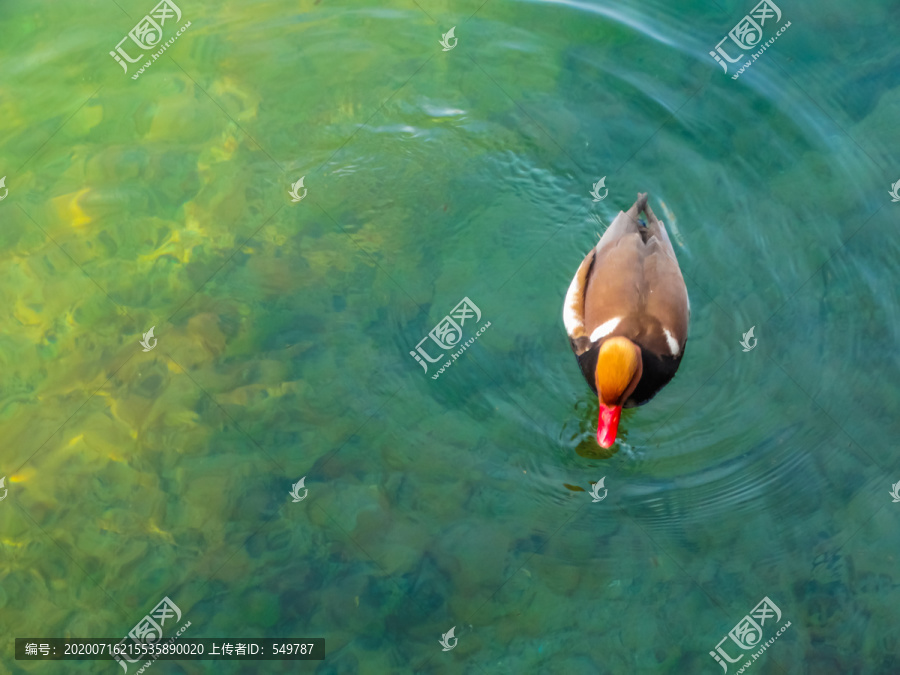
(284, 317)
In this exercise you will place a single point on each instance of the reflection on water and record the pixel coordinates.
(284, 331)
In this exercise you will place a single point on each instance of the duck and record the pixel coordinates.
(626, 313)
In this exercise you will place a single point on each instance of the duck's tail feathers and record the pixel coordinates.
(641, 203)
(653, 226)
(640, 206)
(629, 222)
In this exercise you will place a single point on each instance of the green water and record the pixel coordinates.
(285, 329)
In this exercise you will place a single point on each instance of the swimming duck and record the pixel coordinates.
(627, 313)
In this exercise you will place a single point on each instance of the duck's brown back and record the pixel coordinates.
(632, 286)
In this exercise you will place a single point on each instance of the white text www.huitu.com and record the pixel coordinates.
(159, 53)
(765, 645)
(765, 46)
(465, 346)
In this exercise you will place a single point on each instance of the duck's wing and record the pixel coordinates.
(630, 284)
(635, 287)
(573, 306)
(614, 285)
(668, 305)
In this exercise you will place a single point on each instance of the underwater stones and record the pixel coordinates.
(479, 553)
(297, 600)
(317, 515)
(397, 457)
(348, 502)
(341, 608)
(510, 622)
(559, 578)
(335, 466)
(380, 592)
(430, 586)
(615, 589)
(273, 544)
(402, 548)
(516, 593)
(85, 624)
(203, 340)
(825, 658)
(576, 663)
(372, 523)
(574, 547)
(261, 609)
(150, 382)
(336, 637)
(344, 662)
(207, 495)
(33, 605)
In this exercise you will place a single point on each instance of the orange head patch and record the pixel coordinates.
(618, 362)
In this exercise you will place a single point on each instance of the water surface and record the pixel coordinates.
(284, 331)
